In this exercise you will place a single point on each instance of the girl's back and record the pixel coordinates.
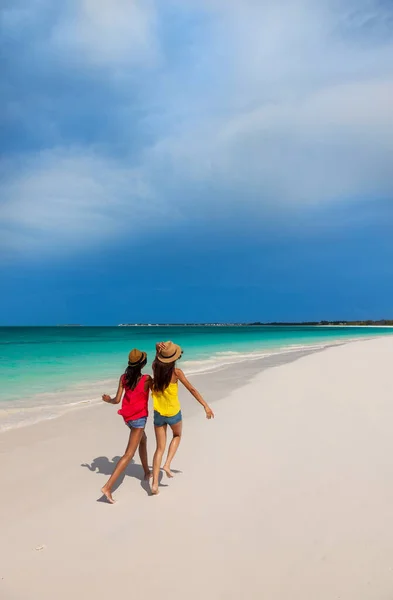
(166, 401)
(135, 401)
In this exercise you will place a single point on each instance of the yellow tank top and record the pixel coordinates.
(167, 402)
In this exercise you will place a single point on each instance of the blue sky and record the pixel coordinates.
(196, 161)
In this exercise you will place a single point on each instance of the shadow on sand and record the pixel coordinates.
(104, 466)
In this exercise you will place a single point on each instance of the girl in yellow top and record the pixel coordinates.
(166, 405)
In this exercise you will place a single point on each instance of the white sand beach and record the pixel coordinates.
(286, 495)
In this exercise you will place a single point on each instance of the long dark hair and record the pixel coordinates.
(133, 374)
(162, 375)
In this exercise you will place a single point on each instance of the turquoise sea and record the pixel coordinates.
(47, 370)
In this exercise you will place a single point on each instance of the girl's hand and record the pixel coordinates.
(160, 346)
(106, 398)
(209, 413)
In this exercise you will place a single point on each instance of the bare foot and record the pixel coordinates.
(148, 474)
(154, 489)
(108, 494)
(167, 471)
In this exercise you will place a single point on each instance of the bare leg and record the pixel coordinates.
(173, 446)
(133, 443)
(143, 456)
(161, 443)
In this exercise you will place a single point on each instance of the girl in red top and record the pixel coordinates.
(134, 410)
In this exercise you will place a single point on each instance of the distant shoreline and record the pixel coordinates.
(313, 324)
(365, 324)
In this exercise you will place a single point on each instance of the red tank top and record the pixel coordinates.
(135, 402)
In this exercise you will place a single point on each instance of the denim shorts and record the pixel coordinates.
(160, 420)
(138, 423)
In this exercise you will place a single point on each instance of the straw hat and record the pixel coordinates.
(171, 353)
(136, 357)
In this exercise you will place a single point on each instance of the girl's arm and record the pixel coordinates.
(148, 383)
(118, 396)
(183, 379)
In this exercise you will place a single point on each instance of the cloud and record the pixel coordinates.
(261, 105)
(62, 198)
(108, 33)
(327, 146)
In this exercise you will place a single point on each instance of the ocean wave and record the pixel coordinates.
(220, 360)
